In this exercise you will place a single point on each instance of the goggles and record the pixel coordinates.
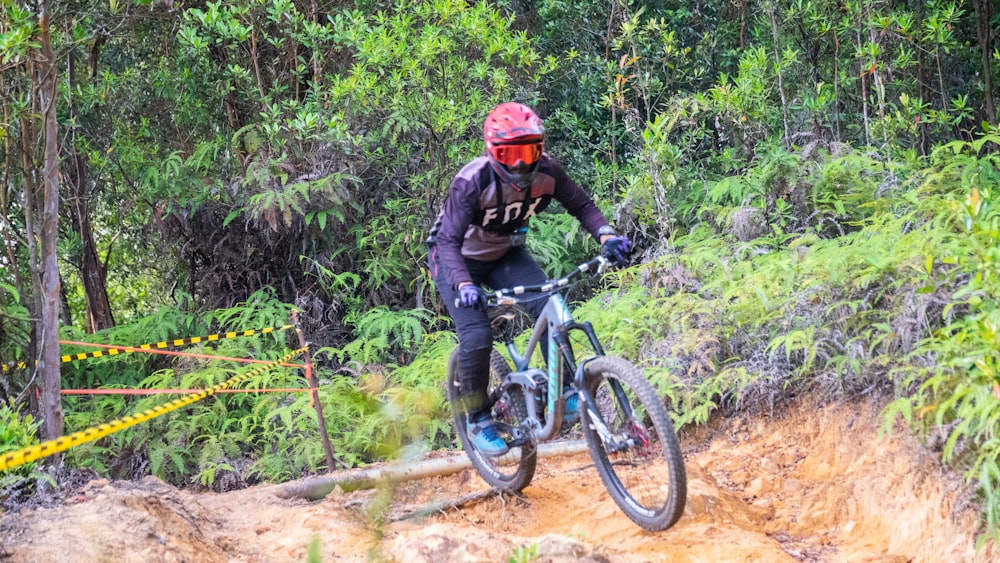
(510, 155)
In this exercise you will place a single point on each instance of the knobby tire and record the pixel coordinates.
(647, 480)
(514, 470)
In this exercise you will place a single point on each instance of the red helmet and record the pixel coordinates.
(514, 140)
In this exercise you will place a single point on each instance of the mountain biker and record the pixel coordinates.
(478, 239)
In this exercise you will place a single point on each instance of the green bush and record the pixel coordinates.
(17, 432)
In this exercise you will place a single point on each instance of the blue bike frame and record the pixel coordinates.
(553, 325)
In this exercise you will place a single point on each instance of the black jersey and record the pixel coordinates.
(481, 213)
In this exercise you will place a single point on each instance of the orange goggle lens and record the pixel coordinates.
(510, 155)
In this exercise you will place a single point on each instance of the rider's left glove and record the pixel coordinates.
(617, 249)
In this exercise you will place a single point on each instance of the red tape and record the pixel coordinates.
(175, 391)
(182, 354)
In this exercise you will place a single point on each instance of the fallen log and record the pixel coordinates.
(316, 488)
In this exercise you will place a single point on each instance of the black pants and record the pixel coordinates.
(475, 338)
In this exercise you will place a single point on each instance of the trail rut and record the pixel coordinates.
(815, 484)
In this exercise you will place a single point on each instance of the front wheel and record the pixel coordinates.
(514, 470)
(633, 444)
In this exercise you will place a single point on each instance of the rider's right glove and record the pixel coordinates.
(617, 249)
(471, 296)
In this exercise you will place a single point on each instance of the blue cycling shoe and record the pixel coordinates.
(571, 413)
(485, 437)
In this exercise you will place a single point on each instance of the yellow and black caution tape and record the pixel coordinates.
(52, 447)
(113, 351)
(173, 343)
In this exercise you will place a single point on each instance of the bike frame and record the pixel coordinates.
(629, 453)
(553, 326)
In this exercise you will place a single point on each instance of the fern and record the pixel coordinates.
(732, 190)
(19, 431)
(380, 334)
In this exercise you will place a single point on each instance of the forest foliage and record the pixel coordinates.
(812, 185)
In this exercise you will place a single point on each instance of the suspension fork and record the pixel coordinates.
(580, 372)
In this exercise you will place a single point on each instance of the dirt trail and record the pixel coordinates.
(815, 485)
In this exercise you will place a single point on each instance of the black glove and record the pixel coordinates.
(471, 296)
(617, 249)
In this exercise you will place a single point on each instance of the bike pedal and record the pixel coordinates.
(518, 442)
(515, 435)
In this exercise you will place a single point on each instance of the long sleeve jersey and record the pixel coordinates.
(480, 214)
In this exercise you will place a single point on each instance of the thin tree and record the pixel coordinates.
(48, 335)
(777, 68)
(983, 35)
(93, 271)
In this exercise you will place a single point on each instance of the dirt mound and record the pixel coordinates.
(815, 485)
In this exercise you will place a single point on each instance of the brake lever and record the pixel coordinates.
(602, 264)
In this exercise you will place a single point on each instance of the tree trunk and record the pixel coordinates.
(48, 336)
(864, 85)
(982, 8)
(29, 138)
(92, 271)
(10, 238)
(771, 8)
(924, 92)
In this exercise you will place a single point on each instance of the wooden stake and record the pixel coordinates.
(314, 390)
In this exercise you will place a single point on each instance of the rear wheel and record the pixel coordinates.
(514, 470)
(633, 444)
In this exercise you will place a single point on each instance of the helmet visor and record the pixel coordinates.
(510, 155)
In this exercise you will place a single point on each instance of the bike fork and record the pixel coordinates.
(612, 443)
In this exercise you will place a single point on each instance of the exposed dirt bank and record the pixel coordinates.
(814, 485)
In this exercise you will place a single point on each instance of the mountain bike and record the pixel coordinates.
(626, 426)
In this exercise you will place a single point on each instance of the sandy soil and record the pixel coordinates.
(818, 484)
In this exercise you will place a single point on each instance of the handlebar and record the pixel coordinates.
(508, 295)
